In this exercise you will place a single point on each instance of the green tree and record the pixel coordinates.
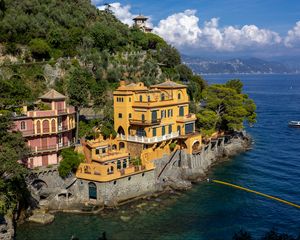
(12, 149)
(78, 88)
(231, 107)
(70, 162)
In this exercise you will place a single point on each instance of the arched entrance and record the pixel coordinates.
(121, 131)
(92, 190)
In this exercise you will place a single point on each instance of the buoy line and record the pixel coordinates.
(255, 192)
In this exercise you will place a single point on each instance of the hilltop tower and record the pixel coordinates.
(140, 22)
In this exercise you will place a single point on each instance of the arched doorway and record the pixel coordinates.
(92, 190)
(121, 131)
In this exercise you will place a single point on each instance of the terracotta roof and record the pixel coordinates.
(168, 84)
(140, 17)
(52, 94)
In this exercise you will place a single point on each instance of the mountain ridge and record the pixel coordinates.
(237, 65)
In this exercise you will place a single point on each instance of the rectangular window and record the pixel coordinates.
(120, 115)
(130, 116)
(189, 128)
(170, 129)
(163, 130)
(97, 151)
(181, 111)
(118, 164)
(154, 132)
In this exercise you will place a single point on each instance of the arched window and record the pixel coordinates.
(53, 126)
(114, 147)
(121, 145)
(46, 126)
(92, 190)
(23, 125)
(38, 126)
(179, 96)
(121, 131)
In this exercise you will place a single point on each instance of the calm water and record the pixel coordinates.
(211, 211)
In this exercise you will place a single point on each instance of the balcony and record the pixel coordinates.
(187, 118)
(140, 122)
(50, 148)
(149, 140)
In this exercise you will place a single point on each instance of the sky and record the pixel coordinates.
(268, 29)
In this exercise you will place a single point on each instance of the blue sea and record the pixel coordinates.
(208, 210)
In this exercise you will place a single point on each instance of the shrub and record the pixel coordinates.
(70, 162)
(39, 48)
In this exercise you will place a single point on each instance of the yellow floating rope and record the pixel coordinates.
(256, 192)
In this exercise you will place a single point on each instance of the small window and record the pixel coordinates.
(118, 164)
(154, 132)
(130, 99)
(179, 96)
(162, 97)
(97, 151)
(120, 115)
(115, 182)
(23, 125)
(170, 129)
(122, 99)
(141, 98)
(129, 178)
(149, 98)
(130, 116)
(163, 130)
(143, 174)
(124, 163)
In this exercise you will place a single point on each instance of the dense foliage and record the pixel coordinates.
(70, 162)
(226, 108)
(12, 149)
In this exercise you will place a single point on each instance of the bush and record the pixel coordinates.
(172, 146)
(39, 48)
(70, 162)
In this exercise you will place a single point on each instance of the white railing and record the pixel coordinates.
(148, 140)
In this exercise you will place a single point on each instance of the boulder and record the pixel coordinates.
(41, 218)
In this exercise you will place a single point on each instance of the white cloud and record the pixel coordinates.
(293, 36)
(179, 28)
(123, 13)
(182, 29)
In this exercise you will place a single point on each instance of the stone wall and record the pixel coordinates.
(177, 171)
(113, 192)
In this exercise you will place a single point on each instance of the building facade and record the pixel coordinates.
(47, 129)
(151, 123)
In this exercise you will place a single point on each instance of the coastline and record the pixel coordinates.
(179, 175)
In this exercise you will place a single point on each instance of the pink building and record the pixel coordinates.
(47, 131)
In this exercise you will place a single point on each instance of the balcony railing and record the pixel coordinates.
(144, 122)
(149, 140)
(50, 148)
(185, 118)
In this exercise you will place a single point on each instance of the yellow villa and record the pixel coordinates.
(151, 122)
